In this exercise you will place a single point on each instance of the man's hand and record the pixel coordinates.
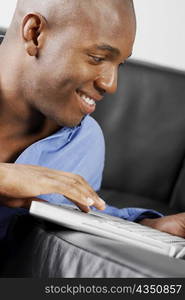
(19, 184)
(174, 224)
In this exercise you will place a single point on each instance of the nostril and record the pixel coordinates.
(99, 89)
(106, 82)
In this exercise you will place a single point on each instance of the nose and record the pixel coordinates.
(108, 80)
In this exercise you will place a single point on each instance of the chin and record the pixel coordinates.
(70, 122)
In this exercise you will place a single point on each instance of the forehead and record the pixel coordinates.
(103, 22)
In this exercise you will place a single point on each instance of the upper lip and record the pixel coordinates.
(92, 96)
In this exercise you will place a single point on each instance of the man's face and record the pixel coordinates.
(79, 62)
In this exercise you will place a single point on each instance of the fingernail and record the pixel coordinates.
(101, 200)
(90, 201)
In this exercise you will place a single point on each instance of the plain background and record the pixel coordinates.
(160, 30)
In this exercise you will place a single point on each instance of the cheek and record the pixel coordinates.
(69, 78)
(65, 73)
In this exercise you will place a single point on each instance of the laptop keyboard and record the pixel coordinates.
(100, 224)
(141, 235)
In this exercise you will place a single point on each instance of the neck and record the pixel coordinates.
(19, 121)
(16, 136)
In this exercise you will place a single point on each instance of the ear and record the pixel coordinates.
(32, 33)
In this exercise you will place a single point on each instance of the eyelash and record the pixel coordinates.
(97, 59)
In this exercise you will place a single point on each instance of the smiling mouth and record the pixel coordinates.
(86, 99)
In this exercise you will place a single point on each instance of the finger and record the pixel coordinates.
(100, 203)
(80, 196)
(82, 192)
(71, 186)
(75, 189)
(91, 194)
(83, 208)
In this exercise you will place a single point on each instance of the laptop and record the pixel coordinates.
(100, 224)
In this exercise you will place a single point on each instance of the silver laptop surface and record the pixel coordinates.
(110, 227)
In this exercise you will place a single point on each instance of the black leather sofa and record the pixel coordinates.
(2, 33)
(144, 128)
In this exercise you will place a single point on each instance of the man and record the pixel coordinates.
(58, 59)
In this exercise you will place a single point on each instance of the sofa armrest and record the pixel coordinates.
(42, 249)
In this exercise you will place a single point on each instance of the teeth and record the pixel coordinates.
(88, 100)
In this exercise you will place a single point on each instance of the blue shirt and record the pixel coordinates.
(79, 150)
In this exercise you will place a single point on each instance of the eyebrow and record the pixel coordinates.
(106, 47)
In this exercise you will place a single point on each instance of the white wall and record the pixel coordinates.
(6, 12)
(160, 30)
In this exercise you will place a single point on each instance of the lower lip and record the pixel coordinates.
(85, 107)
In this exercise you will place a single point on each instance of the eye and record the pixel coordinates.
(97, 59)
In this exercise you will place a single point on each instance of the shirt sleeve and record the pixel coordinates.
(131, 213)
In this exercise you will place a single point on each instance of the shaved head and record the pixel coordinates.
(61, 51)
(46, 6)
(56, 11)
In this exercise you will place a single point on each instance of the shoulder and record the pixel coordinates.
(90, 137)
(90, 126)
